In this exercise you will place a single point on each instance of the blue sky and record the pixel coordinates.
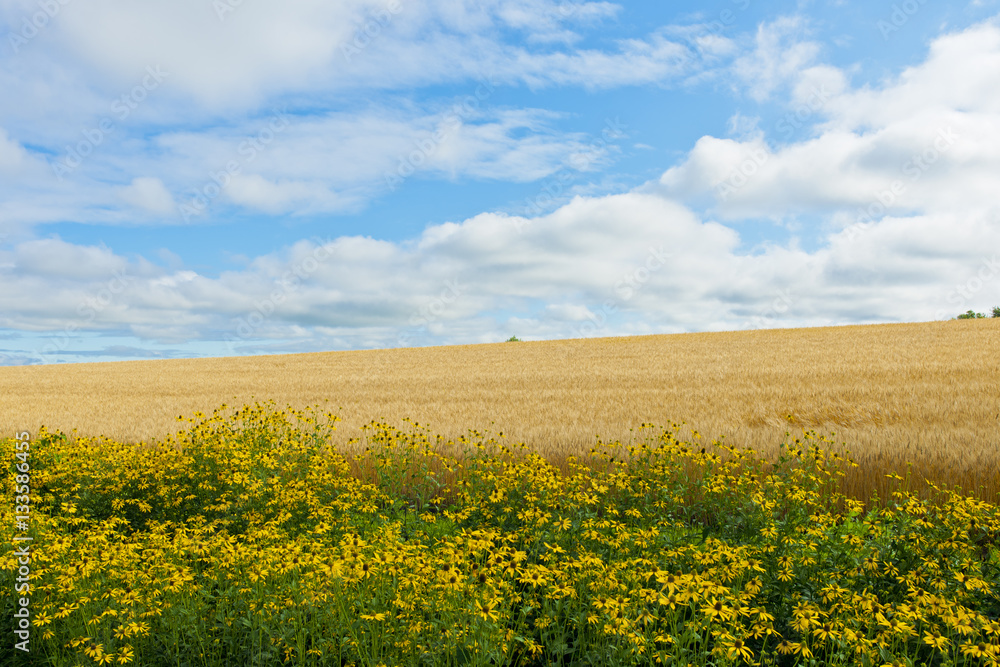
(213, 178)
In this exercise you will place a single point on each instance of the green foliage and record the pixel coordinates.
(513, 339)
(972, 315)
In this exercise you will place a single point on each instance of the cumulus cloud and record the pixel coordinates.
(631, 263)
(923, 143)
(959, 74)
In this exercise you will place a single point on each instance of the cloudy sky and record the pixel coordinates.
(185, 178)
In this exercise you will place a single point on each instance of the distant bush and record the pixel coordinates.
(972, 315)
(513, 339)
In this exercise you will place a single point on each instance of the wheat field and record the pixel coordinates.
(927, 394)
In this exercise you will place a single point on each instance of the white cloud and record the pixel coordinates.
(12, 154)
(959, 74)
(547, 21)
(55, 258)
(710, 162)
(780, 53)
(927, 142)
(255, 191)
(639, 61)
(744, 127)
(335, 163)
(233, 61)
(261, 50)
(222, 76)
(149, 194)
(628, 263)
(322, 163)
(568, 312)
(173, 280)
(594, 261)
(816, 86)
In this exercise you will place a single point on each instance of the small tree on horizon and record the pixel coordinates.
(972, 315)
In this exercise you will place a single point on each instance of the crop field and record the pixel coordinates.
(925, 394)
(492, 526)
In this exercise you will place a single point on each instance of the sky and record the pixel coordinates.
(205, 178)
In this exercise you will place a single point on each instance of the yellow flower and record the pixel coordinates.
(980, 650)
(543, 622)
(786, 647)
(534, 577)
(66, 610)
(487, 610)
(936, 640)
(452, 582)
(141, 629)
(963, 624)
(555, 548)
(825, 632)
(646, 618)
(671, 601)
(736, 648)
(670, 582)
(802, 650)
(96, 653)
(716, 610)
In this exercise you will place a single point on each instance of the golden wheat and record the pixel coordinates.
(926, 394)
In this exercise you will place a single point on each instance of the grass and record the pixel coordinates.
(249, 538)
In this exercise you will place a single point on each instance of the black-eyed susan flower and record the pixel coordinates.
(737, 648)
(977, 650)
(936, 640)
